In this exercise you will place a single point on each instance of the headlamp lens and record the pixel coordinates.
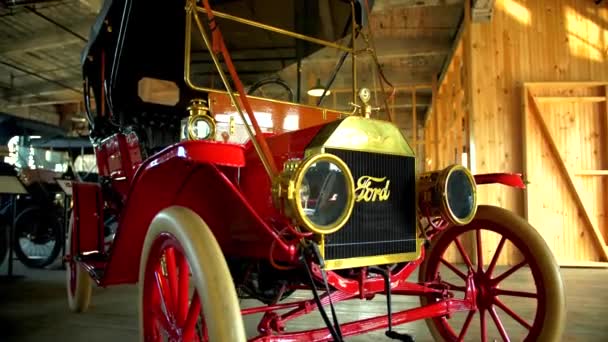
(326, 190)
(460, 192)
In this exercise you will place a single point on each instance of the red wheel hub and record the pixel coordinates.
(485, 290)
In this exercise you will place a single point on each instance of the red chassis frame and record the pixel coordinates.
(209, 177)
(364, 288)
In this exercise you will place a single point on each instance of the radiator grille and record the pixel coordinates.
(378, 227)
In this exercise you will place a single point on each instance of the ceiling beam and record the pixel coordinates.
(93, 5)
(49, 39)
(49, 116)
(38, 101)
(385, 5)
(42, 88)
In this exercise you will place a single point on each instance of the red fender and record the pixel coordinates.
(198, 175)
(510, 179)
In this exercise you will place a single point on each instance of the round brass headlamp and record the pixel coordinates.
(450, 193)
(200, 124)
(317, 192)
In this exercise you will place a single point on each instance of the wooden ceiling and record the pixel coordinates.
(41, 43)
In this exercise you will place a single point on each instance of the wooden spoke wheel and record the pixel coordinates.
(186, 290)
(78, 281)
(522, 302)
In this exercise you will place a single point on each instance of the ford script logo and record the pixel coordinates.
(372, 189)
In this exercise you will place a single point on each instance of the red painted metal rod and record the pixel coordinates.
(219, 45)
(375, 323)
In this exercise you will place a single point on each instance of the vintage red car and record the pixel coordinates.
(334, 207)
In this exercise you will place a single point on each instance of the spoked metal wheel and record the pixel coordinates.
(186, 290)
(522, 302)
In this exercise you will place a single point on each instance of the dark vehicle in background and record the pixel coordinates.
(40, 215)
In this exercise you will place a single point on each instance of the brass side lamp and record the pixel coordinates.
(200, 125)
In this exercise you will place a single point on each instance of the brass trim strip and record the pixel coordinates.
(337, 264)
(277, 29)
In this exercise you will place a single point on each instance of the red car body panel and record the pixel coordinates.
(306, 116)
(225, 184)
(88, 223)
(255, 183)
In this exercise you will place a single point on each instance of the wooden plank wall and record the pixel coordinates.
(444, 129)
(407, 119)
(565, 160)
(528, 41)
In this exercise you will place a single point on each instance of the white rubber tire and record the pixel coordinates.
(555, 319)
(210, 272)
(81, 298)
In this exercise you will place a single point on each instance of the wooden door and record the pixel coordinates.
(565, 154)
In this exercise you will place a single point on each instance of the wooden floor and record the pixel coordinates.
(34, 309)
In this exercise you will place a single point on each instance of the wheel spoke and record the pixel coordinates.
(501, 328)
(172, 273)
(466, 325)
(509, 272)
(511, 313)
(163, 291)
(464, 254)
(479, 250)
(183, 284)
(201, 332)
(482, 324)
(501, 244)
(162, 318)
(453, 268)
(193, 314)
(454, 287)
(155, 293)
(501, 292)
(482, 272)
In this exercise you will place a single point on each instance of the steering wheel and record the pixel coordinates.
(272, 88)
